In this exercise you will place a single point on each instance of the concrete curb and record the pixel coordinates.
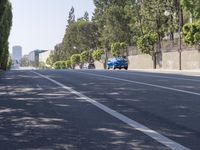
(165, 71)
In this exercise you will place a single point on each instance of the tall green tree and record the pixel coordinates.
(79, 36)
(24, 61)
(193, 7)
(57, 54)
(113, 25)
(71, 17)
(5, 27)
(86, 16)
(153, 18)
(116, 27)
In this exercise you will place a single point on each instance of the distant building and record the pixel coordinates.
(33, 57)
(16, 55)
(44, 55)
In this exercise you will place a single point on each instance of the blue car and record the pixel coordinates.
(119, 63)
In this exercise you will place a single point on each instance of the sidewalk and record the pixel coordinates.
(168, 71)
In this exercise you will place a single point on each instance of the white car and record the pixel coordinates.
(89, 66)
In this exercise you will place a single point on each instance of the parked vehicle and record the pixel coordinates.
(119, 63)
(89, 66)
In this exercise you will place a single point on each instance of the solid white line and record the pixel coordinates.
(151, 133)
(159, 76)
(143, 83)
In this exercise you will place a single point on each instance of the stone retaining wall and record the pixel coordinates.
(166, 60)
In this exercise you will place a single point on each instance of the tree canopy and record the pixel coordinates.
(5, 27)
(193, 7)
(139, 23)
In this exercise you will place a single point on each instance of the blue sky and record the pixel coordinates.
(40, 24)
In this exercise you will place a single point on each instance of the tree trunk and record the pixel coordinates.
(154, 60)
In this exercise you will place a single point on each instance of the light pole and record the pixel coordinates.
(179, 13)
(179, 33)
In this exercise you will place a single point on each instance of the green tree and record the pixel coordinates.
(59, 65)
(50, 60)
(75, 60)
(5, 27)
(191, 33)
(193, 7)
(84, 56)
(113, 22)
(96, 55)
(86, 16)
(24, 61)
(115, 49)
(58, 54)
(71, 17)
(146, 44)
(154, 19)
(68, 64)
(133, 16)
(116, 28)
(118, 49)
(80, 36)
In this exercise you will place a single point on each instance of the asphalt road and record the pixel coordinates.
(99, 110)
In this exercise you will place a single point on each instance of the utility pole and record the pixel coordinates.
(180, 20)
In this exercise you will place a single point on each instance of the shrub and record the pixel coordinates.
(68, 64)
(115, 49)
(96, 55)
(84, 56)
(59, 65)
(118, 48)
(191, 33)
(75, 59)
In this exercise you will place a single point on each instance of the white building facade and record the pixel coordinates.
(16, 55)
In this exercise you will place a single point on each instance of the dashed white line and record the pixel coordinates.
(136, 125)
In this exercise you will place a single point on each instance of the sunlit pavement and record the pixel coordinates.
(36, 113)
(23, 68)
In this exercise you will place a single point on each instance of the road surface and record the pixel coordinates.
(99, 110)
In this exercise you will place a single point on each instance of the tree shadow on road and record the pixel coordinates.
(37, 115)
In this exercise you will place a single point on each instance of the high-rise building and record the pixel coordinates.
(16, 54)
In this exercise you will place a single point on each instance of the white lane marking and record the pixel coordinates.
(144, 83)
(159, 76)
(151, 133)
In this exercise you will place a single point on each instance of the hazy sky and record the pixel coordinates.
(40, 24)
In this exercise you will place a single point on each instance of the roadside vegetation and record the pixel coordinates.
(5, 27)
(115, 25)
